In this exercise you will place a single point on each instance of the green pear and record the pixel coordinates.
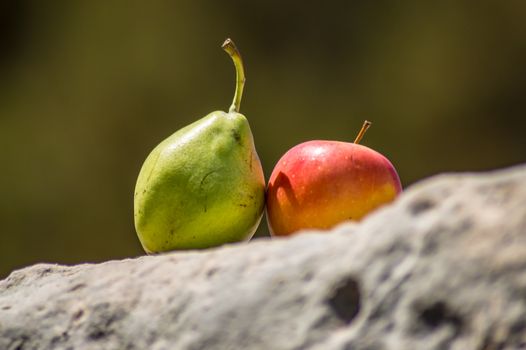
(204, 185)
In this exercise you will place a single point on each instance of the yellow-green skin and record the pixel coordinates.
(201, 187)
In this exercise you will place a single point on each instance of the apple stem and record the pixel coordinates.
(233, 52)
(365, 126)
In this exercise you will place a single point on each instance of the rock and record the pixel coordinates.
(444, 267)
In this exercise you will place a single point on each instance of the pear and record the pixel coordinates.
(204, 185)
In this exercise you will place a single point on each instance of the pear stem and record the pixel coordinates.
(365, 126)
(233, 52)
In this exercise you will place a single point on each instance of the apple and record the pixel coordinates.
(318, 184)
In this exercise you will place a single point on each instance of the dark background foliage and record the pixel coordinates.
(88, 88)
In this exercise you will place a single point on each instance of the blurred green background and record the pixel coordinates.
(88, 88)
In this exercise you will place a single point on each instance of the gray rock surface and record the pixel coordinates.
(444, 267)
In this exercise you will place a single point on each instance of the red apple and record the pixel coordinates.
(318, 184)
